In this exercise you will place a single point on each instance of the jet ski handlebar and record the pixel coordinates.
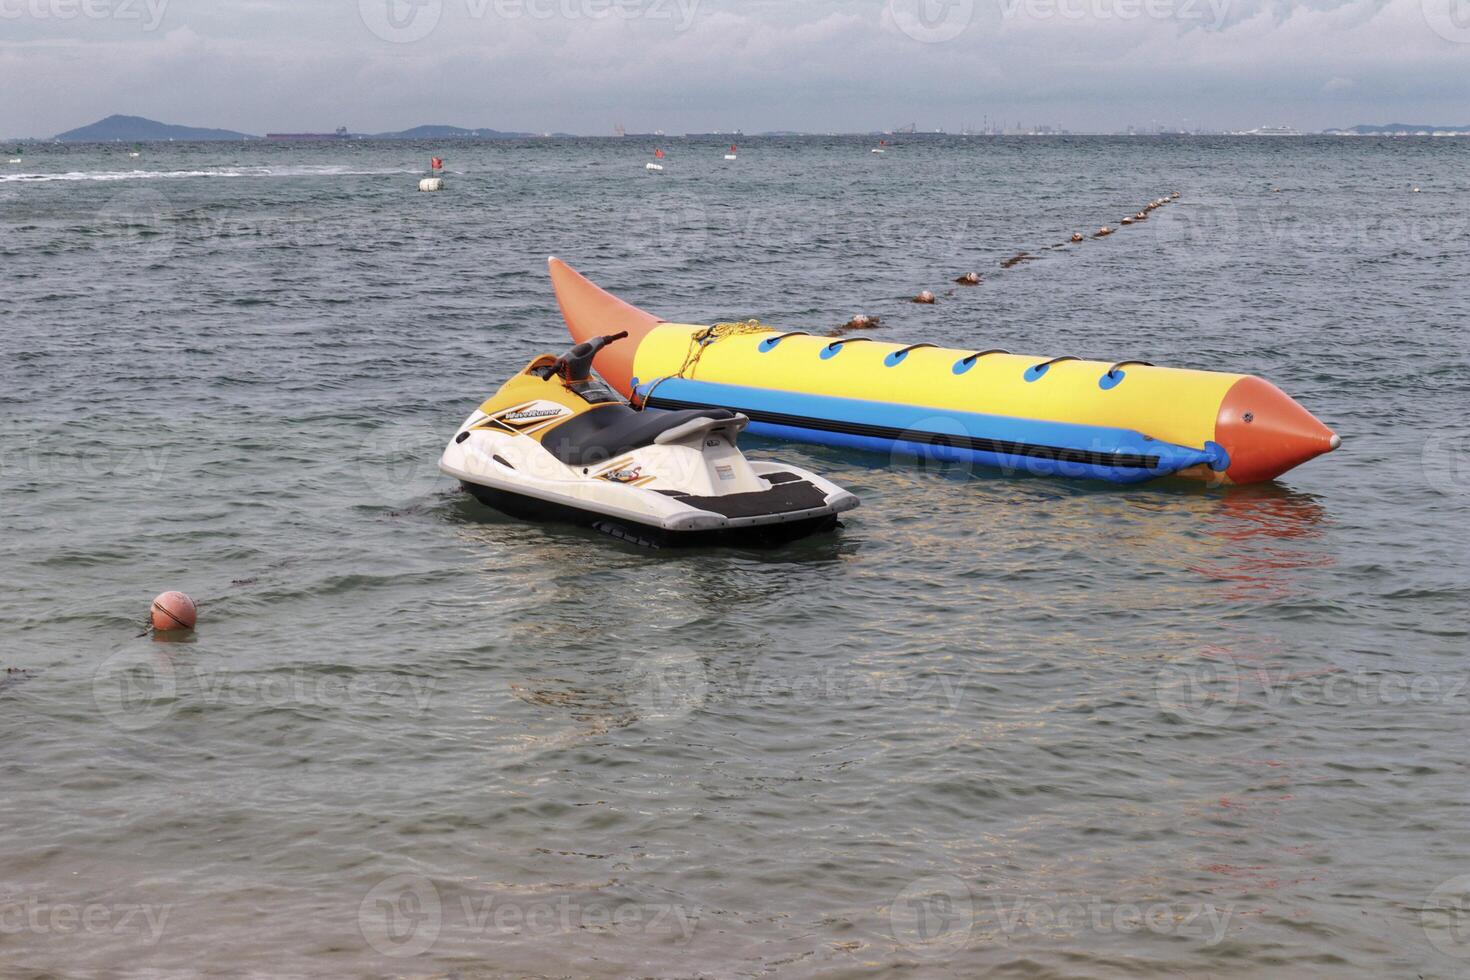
(576, 364)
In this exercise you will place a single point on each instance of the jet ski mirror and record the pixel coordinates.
(576, 364)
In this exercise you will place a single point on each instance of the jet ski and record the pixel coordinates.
(555, 443)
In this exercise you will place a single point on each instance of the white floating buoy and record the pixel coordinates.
(134, 155)
(431, 184)
(655, 167)
(732, 154)
(15, 160)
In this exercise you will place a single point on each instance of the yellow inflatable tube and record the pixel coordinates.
(1125, 421)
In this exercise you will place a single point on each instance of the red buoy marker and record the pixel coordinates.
(173, 611)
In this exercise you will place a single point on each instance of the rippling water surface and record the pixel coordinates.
(993, 724)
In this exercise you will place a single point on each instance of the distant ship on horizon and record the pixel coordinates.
(912, 129)
(340, 134)
(622, 133)
(1269, 131)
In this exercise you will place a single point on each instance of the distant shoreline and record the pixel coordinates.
(136, 129)
(305, 138)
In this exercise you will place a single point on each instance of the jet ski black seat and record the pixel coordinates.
(599, 434)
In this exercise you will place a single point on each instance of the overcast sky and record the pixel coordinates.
(849, 65)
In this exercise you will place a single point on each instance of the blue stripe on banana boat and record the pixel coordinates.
(1013, 444)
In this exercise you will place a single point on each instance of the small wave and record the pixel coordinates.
(112, 175)
(118, 175)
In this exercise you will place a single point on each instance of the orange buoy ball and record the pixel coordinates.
(173, 611)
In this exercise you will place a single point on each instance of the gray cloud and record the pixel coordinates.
(583, 65)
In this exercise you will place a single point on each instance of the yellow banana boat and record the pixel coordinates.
(1124, 422)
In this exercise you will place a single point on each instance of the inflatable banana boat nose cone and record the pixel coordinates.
(591, 311)
(1266, 432)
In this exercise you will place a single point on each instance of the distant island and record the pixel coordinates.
(450, 133)
(136, 129)
(1400, 129)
